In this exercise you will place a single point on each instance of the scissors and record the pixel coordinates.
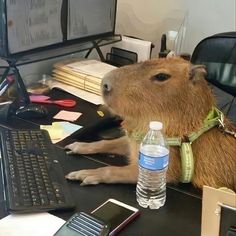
(61, 102)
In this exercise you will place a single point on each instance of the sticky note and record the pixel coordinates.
(67, 115)
(68, 127)
(55, 131)
(60, 130)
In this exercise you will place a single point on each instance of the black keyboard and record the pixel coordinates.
(33, 178)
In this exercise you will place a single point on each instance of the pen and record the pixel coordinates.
(5, 103)
(2, 91)
(5, 84)
(8, 79)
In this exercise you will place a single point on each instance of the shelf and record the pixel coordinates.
(62, 50)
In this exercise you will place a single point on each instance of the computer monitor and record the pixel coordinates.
(28, 26)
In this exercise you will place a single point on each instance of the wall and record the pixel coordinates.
(149, 19)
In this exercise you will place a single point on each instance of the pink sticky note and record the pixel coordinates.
(67, 115)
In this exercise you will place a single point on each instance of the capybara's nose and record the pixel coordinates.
(106, 87)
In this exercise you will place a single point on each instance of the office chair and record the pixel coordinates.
(218, 54)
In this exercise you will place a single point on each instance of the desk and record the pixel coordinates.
(181, 214)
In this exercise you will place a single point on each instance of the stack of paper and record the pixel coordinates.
(82, 74)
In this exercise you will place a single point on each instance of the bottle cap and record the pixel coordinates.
(156, 125)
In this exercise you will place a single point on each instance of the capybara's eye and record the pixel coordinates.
(161, 77)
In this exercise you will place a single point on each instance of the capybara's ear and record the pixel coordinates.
(197, 72)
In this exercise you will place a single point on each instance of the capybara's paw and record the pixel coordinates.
(87, 177)
(78, 148)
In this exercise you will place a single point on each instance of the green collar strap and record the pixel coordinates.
(214, 117)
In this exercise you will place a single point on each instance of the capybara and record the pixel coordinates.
(172, 91)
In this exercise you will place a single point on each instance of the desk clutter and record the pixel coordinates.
(82, 74)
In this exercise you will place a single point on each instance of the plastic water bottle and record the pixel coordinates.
(153, 164)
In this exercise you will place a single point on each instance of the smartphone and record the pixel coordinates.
(116, 213)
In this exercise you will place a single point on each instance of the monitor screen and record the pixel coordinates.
(35, 24)
(32, 24)
(90, 17)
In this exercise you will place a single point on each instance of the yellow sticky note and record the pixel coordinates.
(55, 131)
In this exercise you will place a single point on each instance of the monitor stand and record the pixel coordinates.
(25, 109)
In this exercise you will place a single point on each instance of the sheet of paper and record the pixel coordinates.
(60, 130)
(92, 67)
(33, 24)
(67, 115)
(31, 224)
(90, 97)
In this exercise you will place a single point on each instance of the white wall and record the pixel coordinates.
(151, 18)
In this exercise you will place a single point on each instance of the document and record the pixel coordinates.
(33, 24)
(86, 82)
(91, 67)
(31, 224)
(83, 74)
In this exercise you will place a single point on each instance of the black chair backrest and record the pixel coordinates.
(218, 54)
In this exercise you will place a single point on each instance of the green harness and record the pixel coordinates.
(215, 117)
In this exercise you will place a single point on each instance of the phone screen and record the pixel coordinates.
(115, 214)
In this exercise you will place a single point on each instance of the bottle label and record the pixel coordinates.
(153, 163)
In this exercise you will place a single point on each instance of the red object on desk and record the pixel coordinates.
(45, 99)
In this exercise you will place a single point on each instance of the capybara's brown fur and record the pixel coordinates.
(176, 93)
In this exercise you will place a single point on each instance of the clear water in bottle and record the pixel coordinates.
(153, 164)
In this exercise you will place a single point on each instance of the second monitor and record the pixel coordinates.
(33, 25)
